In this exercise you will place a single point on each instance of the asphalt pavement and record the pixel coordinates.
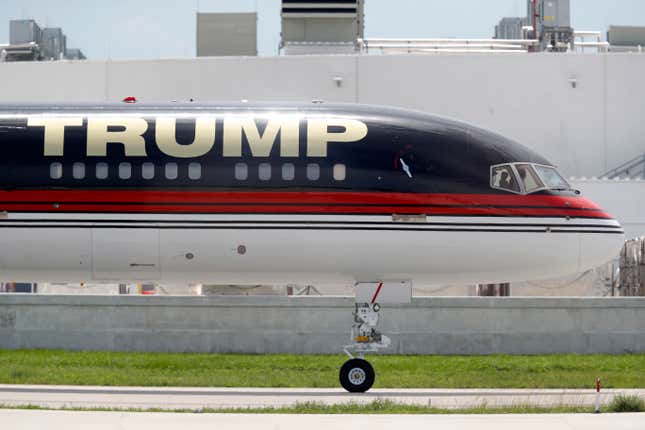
(72, 420)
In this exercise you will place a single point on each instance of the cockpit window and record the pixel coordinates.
(502, 177)
(526, 178)
(529, 178)
(551, 178)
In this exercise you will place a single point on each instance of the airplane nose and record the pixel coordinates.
(600, 243)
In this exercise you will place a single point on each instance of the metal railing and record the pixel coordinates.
(581, 42)
(445, 45)
(634, 168)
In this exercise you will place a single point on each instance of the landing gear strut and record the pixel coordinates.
(357, 374)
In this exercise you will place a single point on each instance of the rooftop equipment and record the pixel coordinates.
(28, 42)
(510, 28)
(626, 38)
(22, 31)
(53, 43)
(74, 54)
(23, 52)
(552, 20)
(323, 26)
(227, 34)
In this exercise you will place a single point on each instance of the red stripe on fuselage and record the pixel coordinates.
(296, 202)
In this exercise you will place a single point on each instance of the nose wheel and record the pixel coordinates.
(356, 375)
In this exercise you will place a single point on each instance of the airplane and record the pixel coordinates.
(244, 193)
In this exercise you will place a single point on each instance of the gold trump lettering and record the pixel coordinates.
(165, 136)
(261, 144)
(54, 131)
(131, 135)
(128, 132)
(318, 134)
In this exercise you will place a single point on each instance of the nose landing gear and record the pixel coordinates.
(357, 374)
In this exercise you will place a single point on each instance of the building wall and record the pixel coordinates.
(321, 324)
(586, 130)
(625, 200)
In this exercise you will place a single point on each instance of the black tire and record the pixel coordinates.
(356, 375)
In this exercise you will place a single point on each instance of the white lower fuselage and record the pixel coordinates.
(274, 249)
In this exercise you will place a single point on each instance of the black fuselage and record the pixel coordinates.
(402, 151)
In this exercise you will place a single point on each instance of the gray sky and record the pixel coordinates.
(166, 28)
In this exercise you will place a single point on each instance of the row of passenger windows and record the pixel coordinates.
(171, 171)
(288, 172)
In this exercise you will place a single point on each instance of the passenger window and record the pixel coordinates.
(502, 177)
(55, 170)
(171, 170)
(78, 170)
(101, 170)
(529, 178)
(125, 170)
(194, 171)
(264, 171)
(313, 171)
(339, 172)
(147, 170)
(241, 171)
(288, 171)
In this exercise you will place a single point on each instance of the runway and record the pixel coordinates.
(70, 420)
(175, 398)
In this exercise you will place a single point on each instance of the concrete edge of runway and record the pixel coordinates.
(186, 398)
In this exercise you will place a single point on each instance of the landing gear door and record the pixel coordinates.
(385, 292)
(125, 254)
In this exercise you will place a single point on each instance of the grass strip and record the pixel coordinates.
(375, 407)
(627, 403)
(309, 371)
